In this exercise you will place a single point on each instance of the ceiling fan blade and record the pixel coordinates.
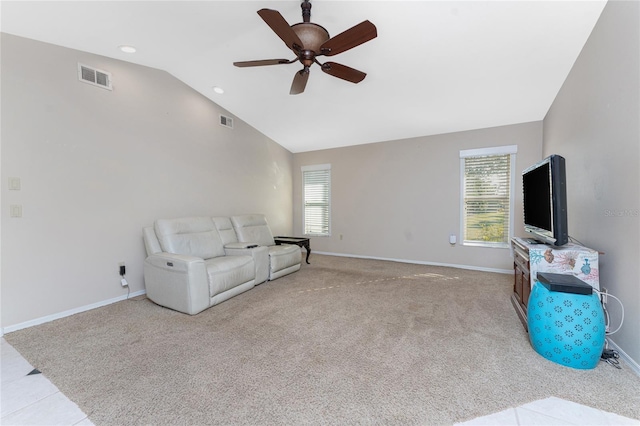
(354, 36)
(344, 72)
(299, 82)
(282, 29)
(261, 62)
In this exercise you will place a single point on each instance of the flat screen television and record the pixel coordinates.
(544, 189)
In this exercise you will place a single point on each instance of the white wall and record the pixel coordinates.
(594, 123)
(401, 199)
(97, 165)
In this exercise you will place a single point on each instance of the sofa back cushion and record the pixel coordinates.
(225, 229)
(191, 236)
(253, 228)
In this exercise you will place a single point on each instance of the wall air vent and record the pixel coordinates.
(226, 121)
(94, 76)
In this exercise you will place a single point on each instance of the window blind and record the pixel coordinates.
(487, 189)
(317, 200)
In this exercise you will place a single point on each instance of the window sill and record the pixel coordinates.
(486, 245)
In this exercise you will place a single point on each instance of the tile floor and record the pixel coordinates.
(552, 411)
(34, 400)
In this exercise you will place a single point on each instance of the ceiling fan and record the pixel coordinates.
(308, 41)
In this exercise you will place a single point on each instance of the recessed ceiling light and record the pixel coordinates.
(127, 49)
(218, 90)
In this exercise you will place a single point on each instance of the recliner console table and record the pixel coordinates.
(300, 242)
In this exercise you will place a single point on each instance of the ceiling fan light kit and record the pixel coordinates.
(308, 40)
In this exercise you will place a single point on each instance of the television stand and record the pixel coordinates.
(529, 258)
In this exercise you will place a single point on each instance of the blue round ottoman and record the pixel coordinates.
(566, 328)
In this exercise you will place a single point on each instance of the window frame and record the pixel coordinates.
(510, 150)
(315, 168)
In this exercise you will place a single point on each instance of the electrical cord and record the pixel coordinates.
(128, 288)
(610, 356)
(575, 241)
(606, 312)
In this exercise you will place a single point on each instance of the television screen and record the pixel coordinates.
(545, 201)
(537, 197)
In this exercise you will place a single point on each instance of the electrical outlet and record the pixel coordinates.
(604, 292)
(122, 271)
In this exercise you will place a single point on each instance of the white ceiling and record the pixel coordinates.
(435, 67)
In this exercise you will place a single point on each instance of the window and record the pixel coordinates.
(487, 181)
(316, 198)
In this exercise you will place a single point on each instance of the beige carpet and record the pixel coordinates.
(342, 341)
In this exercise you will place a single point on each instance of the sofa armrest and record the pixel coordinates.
(260, 255)
(177, 281)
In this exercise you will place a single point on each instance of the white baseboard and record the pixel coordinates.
(419, 262)
(70, 312)
(625, 357)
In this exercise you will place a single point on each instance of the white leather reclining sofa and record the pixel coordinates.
(253, 228)
(194, 263)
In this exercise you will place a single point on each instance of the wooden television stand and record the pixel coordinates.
(531, 257)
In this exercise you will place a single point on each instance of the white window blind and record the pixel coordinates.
(487, 188)
(316, 182)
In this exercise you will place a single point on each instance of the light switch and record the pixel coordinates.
(16, 210)
(14, 183)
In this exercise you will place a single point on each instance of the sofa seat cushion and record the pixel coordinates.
(284, 256)
(227, 272)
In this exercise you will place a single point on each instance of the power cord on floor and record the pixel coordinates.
(611, 356)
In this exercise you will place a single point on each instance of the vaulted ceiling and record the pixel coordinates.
(435, 67)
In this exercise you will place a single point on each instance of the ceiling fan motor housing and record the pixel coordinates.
(312, 37)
